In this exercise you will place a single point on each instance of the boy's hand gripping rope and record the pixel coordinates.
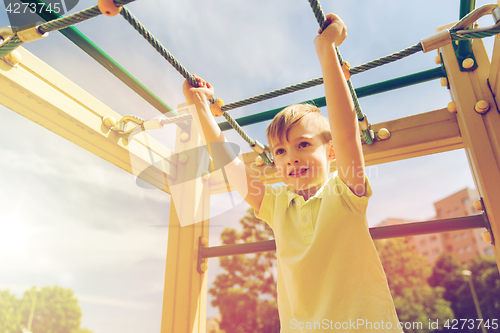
(323, 24)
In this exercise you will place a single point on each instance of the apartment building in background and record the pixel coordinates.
(464, 244)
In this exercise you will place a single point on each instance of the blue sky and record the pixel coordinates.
(69, 218)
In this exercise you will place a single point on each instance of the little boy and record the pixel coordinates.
(329, 273)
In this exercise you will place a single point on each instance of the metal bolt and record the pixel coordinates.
(478, 206)
(259, 161)
(468, 63)
(452, 107)
(13, 58)
(383, 134)
(109, 121)
(482, 106)
(183, 158)
(487, 237)
(184, 137)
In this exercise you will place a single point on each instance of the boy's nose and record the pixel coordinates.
(293, 161)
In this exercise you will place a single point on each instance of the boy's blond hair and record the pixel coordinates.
(289, 116)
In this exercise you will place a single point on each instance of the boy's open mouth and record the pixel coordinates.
(298, 172)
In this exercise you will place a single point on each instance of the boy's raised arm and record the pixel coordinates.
(341, 112)
(250, 187)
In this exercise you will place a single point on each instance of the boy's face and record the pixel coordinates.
(303, 161)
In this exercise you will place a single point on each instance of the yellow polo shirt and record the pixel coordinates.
(329, 274)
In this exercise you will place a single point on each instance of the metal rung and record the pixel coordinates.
(392, 231)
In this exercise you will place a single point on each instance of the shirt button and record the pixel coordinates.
(304, 219)
(298, 203)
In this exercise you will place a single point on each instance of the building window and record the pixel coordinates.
(489, 251)
(449, 248)
(435, 251)
(423, 242)
(468, 249)
(433, 239)
(464, 235)
(440, 212)
(450, 213)
(460, 251)
(457, 209)
(425, 254)
(457, 237)
(446, 236)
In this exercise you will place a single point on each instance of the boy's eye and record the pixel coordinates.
(279, 151)
(303, 144)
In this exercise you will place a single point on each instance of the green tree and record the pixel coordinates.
(246, 294)
(486, 279)
(447, 273)
(407, 272)
(10, 316)
(56, 310)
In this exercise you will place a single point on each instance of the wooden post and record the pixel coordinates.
(185, 293)
(480, 132)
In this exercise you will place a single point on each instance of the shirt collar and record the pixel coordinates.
(290, 192)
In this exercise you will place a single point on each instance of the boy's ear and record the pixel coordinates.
(332, 152)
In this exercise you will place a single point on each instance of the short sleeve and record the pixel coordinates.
(266, 212)
(354, 202)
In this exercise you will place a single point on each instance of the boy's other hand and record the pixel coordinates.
(204, 91)
(335, 33)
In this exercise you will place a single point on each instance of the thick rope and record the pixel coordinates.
(130, 18)
(176, 119)
(316, 82)
(78, 17)
(58, 24)
(68, 21)
(466, 35)
(387, 59)
(272, 94)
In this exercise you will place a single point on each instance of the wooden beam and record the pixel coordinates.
(39, 93)
(480, 132)
(419, 135)
(413, 136)
(185, 291)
